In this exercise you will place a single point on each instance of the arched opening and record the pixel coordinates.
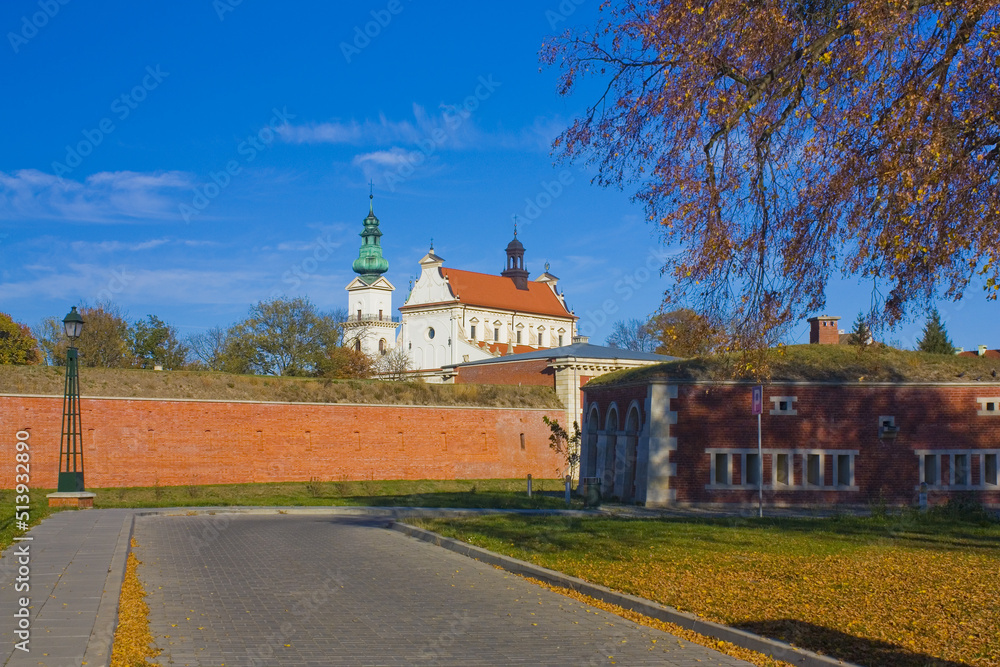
(590, 464)
(610, 445)
(382, 346)
(357, 344)
(630, 451)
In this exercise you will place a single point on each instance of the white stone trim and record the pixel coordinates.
(777, 400)
(983, 401)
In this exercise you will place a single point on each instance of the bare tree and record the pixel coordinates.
(632, 334)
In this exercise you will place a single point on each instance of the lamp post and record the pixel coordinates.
(71, 443)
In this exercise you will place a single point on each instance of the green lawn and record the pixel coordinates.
(908, 590)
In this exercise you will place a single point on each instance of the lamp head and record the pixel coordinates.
(73, 324)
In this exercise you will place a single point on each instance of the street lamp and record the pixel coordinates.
(71, 443)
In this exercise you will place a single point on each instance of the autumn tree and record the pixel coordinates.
(935, 338)
(686, 333)
(778, 143)
(394, 365)
(632, 334)
(17, 344)
(104, 342)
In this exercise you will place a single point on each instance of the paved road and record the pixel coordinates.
(302, 590)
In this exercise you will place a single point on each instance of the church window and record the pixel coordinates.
(496, 334)
(472, 332)
(430, 333)
(357, 345)
(519, 337)
(359, 314)
(381, 346)
(560, 340)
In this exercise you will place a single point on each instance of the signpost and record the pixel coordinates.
(757, 404)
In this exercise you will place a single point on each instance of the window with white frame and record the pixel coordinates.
(784, 405)
(782, 469)
(961, 469)
(814, 470)
(989, 406)
(791, 470)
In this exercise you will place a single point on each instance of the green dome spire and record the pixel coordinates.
(370, 263)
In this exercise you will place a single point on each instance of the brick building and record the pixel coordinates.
(662, 441)
(566, 369)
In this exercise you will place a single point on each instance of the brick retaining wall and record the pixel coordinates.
(130, 442)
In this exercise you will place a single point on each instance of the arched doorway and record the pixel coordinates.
(590, 464)
(631, 454)
(610, 453)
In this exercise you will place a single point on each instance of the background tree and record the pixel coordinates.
(17, 344)
(861, 335)
(393, 365)
(686, 333)
(346, 363)
(154, 343)
(632, 334)
(766, 138)
(104, 343)
(935, 338)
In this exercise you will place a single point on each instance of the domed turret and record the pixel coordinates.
(515, 262)
(370, 263)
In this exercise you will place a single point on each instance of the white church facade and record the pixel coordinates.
(453, 316)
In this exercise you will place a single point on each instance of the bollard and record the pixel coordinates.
(529, 485)
(569, 490)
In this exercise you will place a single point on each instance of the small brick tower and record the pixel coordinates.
(824, 330)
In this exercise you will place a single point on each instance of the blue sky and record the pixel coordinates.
(188, 159)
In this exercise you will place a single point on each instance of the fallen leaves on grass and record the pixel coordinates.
(728, 648)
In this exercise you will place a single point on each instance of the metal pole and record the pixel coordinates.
(71, 447)
(760, 472)
(569, 485)
(529, 485)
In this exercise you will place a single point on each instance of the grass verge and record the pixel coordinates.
(135, 383)
(481, 493)
(38, 511)
(906, 590)
(133, 643)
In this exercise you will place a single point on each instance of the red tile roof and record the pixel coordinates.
(482, 289)
(502, 348)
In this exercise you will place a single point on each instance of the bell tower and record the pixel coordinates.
(370, 326)
(515, 263)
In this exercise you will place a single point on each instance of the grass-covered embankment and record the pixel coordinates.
(824, 363)
(210, 385)
(908, 590)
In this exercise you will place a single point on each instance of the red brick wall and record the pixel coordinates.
(532, 371)
(829, 418)
(142, 443)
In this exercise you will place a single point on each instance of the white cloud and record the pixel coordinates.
(119, 196)
(390, 159)
(81, 247)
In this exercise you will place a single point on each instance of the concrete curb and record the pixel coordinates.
(776, 649)
(102, 637)
(360, 511)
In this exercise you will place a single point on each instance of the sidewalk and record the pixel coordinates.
(76, 565)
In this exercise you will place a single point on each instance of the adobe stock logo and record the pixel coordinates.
(363, 36)
(31, 26)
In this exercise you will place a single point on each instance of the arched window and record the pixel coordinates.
(630, 452)
(381, 347)
(357, 345)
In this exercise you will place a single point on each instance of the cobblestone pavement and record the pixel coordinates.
(304, 590)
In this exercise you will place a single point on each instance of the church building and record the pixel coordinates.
(453, 316)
